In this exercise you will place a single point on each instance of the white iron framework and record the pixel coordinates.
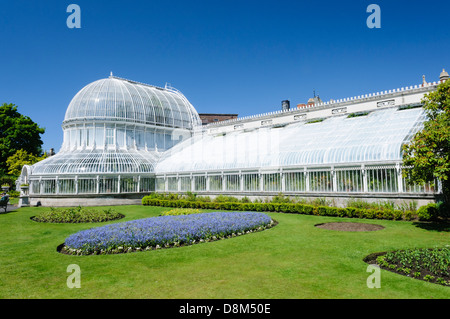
(123, 137)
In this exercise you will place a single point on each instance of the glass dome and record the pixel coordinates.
(115, 131)
(117, 99)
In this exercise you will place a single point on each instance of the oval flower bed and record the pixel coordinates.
(77, 215)
(164, 232)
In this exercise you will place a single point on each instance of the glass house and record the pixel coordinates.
(339, 154)
(123, 139)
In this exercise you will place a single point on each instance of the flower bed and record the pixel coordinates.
(426, 264)
(164, 232)
(77, 215)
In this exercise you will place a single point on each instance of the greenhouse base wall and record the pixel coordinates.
(87, 200)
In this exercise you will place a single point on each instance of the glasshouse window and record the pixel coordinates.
(232, 183)
(215, 183)
(87, 186)
(320, 181)
(349, 180)
(251, 182)
(295, 181)
(200, 183)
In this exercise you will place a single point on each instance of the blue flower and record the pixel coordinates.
(165, 230)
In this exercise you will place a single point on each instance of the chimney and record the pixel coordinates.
(444, 76)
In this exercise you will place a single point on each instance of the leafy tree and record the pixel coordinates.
(17, 132)
(19, 159)
(428, 153)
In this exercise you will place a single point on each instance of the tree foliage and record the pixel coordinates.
(428, 153)
(17, 132)
(19, 159)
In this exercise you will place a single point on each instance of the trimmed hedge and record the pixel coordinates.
(293, 208)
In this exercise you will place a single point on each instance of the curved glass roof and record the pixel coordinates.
(116, 99)
(97, 162)
(376, 137)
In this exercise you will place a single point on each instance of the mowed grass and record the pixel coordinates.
(295, 259)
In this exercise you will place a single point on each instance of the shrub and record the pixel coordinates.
(245, 199)
(408, 215)
(351, 212)
(224, 199)
(428, 212)
(14, 194)
(320, 202)
(397, 214)
(280, 198)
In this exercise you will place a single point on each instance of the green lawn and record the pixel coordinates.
(292, 260)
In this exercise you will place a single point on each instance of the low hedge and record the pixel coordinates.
(294, 208)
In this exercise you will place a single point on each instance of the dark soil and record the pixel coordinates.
(349, 226)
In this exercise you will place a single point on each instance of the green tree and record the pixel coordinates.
(428, 153)
(19, 159)
(17, 132)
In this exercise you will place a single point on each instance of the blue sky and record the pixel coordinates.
(225, 56)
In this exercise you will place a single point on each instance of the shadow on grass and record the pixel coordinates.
(433, 226)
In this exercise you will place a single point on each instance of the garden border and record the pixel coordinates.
(293, 208)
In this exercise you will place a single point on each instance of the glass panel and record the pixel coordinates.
(185, 184)
(129, 184)
(295, 182)
(215, 183)
(382, 180)
(99, 137)
(109, 136)
(147, 184)
(349, 181)
(416, 188)
(160, 184)
(66, 186)
(108, 185)
(232, 183)
(200, 183)
(272, 182)
(35, 187)
(172, 184)
(320, 181)
(87, 186)
(49, 186)
(251, 182)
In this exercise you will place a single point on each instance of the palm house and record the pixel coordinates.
(115, 130)
(124, 139)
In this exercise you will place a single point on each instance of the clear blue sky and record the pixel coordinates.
(226, 56)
